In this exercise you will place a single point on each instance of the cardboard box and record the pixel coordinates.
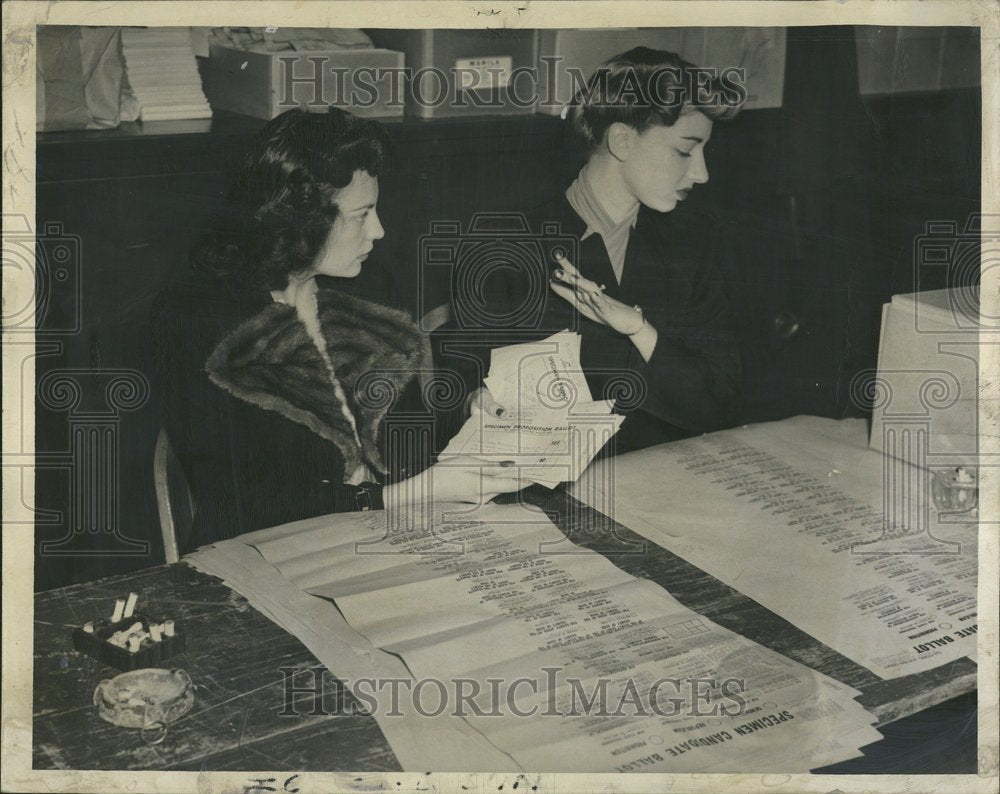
(928, 366)
(466, 72)
(367, 82)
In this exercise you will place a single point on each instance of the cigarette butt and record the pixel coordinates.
(155, 632)
(130, 604)
(168, 628)
(88, 627)
(119, 610)
(133, 644)
(135, 627)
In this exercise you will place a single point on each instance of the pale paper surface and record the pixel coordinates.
(542, 374)
(552, 427)
(418, 741)
(19, 19)
(499, 594)
(928, 368)
(791, 514)
(548, 447)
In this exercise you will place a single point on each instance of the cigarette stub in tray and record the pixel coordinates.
(129, 639)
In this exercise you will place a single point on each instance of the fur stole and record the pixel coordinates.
(271, 361)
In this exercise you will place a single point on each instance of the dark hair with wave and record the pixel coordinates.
(283, 200)
(644, 88)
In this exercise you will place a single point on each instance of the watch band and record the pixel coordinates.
(369, 496)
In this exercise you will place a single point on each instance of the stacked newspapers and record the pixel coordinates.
(163, 75)
(551, 425)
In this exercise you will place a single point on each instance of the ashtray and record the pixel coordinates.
(149, 652)
(955, 489)
(148, 699)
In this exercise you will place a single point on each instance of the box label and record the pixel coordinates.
(485, 73)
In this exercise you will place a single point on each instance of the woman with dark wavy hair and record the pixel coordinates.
(276, 389)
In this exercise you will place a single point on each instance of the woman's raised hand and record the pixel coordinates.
(590, 299)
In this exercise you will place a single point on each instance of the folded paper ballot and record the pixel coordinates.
(551, 427)
(544, 374)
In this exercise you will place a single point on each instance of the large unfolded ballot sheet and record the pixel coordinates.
(419, 740)
(556, 657)
(551, 428)
(802, 517)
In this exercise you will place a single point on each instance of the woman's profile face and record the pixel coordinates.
(663, 163)
(354, 230)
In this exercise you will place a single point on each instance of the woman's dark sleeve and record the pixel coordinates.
(693, 380)
(248, 468)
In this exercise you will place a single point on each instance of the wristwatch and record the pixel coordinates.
(642, 320)
(369, 496)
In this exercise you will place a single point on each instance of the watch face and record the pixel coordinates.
(364, 497)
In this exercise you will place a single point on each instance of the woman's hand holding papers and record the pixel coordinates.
(591, 301)
(463, 478)
(481, 401)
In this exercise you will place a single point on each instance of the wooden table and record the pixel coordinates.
(234, 654)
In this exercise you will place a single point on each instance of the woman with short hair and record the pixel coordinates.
(644, 286)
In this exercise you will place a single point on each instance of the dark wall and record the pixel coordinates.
(821, 201)
(131, 209)
(824, 199)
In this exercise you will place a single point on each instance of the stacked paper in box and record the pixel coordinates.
(928, 367)
(163, 75)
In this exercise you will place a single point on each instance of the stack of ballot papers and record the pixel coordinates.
(531, 650)
(163, 75)
(551, 426)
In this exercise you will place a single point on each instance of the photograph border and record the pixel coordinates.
(19, 21)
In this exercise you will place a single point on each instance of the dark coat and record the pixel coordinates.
(692, 384)
(252, 411)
